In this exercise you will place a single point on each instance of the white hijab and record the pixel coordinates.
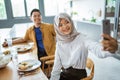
(60, 36)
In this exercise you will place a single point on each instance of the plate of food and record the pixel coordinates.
(28, 65)
(23, 48)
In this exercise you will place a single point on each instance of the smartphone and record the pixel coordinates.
(106, 26)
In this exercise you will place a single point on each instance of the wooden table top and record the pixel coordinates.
(10, 72)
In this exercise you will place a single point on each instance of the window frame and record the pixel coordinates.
(14, 20)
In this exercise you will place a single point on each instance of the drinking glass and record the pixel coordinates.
(14, 56)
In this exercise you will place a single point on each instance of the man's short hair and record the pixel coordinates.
(35, 10)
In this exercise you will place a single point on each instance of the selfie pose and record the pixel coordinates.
(72, 49)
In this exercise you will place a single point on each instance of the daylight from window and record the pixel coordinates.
(18, 8)
(2, 10)
(31, 4)
(55, 7)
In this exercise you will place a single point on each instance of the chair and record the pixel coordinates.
(49, 60)
(90, 67)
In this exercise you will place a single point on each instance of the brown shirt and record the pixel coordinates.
(48, 36)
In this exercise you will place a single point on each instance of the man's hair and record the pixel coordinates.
(35, 10)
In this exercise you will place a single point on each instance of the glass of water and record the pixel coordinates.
(14, 56)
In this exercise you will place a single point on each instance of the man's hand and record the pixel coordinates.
(5, 44)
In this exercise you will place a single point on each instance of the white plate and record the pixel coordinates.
(35, 64)
(23, 48)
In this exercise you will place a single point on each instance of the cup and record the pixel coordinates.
(14, 56)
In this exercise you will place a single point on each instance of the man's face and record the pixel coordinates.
(36, 17)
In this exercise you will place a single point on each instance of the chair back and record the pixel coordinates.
(49, 61)
(90, 66)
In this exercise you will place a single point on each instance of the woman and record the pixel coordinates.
(72, 50)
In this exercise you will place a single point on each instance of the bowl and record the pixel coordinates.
(4, 60)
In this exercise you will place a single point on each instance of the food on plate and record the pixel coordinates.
(6, 52)
(24, 65)
(22, 49)
(28, 65)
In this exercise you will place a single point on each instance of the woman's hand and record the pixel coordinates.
(109, 44)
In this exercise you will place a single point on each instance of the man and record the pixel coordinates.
(42, 34)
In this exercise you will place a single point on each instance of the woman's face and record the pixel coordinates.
(36, 17)
(65, 26)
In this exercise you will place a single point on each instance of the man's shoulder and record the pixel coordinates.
(31, 28)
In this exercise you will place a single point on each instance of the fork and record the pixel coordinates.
(22, 74)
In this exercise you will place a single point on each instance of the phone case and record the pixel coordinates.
(106, 26)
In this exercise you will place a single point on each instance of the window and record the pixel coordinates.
(2, 10)
(50, 7)
(56, 6)
(18, 8)
(31, 4)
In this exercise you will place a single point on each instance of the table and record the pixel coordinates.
(10, 71)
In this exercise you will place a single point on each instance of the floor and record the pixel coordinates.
(107, 68)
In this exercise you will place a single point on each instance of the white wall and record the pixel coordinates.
(88, 8)
(93, 31)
